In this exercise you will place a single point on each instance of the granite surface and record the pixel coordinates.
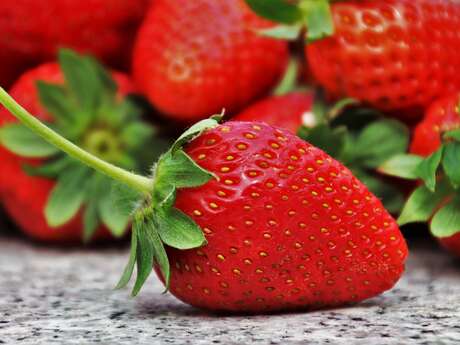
(50, 296)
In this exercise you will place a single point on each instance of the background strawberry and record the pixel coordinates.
(395, 55)
(32, 31)
(435, 155)
(84, 103)
(194, 58)
(285, 111)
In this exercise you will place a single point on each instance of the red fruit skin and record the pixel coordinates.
(194, 58)
(396, 55)
(32, 31)
(287, 227)
(24, 197)
(440, 117)
(284, 111)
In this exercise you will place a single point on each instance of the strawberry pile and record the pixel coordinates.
(286, 199)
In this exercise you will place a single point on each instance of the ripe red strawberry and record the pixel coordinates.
(248, 217)
(32, 31)
(441, 117)
(25, 194)
(286, 111)
(194, 58)
(394, 54)
(287, 227)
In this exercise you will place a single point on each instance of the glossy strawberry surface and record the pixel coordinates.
(442, 116)
(286, 111)
(287, 227)
(32, 31)
(24, 197)
(194, 58)
(396, 55)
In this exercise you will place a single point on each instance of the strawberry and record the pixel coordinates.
(435, 153)
(194, 58)
(82, 101)
(104, 28)
(396, 55)
(352, 135)
(289, 111)
(248, 217)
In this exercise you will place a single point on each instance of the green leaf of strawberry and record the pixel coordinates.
(312, 16)
(422, 203)
(68, 196)
(428, 167)
(450, 163)
(22, 141)
(446, 222)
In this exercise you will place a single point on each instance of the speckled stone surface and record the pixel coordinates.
(50, 296)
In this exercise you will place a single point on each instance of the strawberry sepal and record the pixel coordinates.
(157, 223)
(312, 17)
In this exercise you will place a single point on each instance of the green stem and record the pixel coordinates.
(139, 183)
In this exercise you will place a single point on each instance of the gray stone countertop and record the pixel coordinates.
(66, 296)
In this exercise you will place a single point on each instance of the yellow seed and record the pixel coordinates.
(241, 146)
(206, 291)
(259, 271)
(230, 157)
(314, 193)
(228, 182)
(298, 245)
(246, 207)
(267, 235)
(199, 253)
(321, 179)
(249, 222)
(221, 193)
(197, 213)
(294, 158)
(207, 230)
(198, 268)
(255, 195)
(224, 284)
(231, 228)
(275, 145)
(210, 141)
(247, 261)
(294, 187)
(269, 185)
(319, 161)
(225, 169)
(233, 250)
(225, 129)
(249, 136)
(220, 257)
(201, 156)
(324, 230)
(213, 205)
(288, 232)
(236, 271)
(263, 254)
(256, 127)
(269, 206)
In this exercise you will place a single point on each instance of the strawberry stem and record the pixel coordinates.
(137, 182)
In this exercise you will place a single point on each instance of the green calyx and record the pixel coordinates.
(313, 17)
(362, 140)
(158, 223)
(438, 198)
(88, 111)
